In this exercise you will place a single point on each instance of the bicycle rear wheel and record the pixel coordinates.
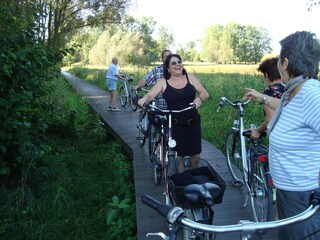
(122, 97)
(233, 157)
(134, 99)
(259, 190)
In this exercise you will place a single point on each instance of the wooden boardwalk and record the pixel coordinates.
(122, 125)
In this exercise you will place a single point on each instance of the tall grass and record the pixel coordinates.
(219, 80)
(71, 196)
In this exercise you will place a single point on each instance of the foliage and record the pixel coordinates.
(131, 42)
(85, 167)
(80, 45)
(166, 40)
(27, 68)
(312, 4)
(109, 45)
(235, 43)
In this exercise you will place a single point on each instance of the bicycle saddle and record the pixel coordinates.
(202, 193)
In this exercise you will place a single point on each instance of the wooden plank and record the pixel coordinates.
(122, 125)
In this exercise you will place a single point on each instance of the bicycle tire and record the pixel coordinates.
(142, 127)
(206, 216)
(172, 164)
(157, 173)
(133, 99)
(153, 136)
(233, 157)
(259, 191)
(122, 97)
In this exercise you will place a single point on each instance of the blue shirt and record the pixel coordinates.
(112, 72)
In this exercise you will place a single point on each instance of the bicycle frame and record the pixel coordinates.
(167, 159)
(240, 106)
(254, 174)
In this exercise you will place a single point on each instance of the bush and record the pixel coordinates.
(27, 68)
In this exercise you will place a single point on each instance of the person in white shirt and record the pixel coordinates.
(294, 132)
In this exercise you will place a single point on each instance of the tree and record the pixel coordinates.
(211, 43)
(166, 40)
(312, 3)
(60, 18)
(235, 43)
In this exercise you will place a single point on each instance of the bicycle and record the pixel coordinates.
(144, 124)
(127, 93)
(247, 161)
(204, 184)
(161, 143)
(176, 218)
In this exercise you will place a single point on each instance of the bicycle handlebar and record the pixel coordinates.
(175, 215)
(159, 110)
(236, 104)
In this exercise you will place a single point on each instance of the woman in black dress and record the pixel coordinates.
(179, 89)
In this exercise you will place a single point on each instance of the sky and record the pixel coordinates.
(188, 19)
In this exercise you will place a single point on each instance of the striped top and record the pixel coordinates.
(294, 143)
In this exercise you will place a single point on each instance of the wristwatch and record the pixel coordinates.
(263, 99)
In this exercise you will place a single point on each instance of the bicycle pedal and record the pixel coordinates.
(139, 138)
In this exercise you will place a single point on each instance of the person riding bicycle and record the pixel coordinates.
(179, 89)
(294, 132)
(275, 89)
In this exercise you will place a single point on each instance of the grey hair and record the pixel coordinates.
(302, 49)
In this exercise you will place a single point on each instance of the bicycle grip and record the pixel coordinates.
(161, 208)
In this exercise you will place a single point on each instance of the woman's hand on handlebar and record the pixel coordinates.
(255, 133)
(142, 102)
(197, 102)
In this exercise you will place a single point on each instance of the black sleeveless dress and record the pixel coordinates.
(186, 129)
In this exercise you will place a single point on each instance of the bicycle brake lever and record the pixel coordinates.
(159, 234)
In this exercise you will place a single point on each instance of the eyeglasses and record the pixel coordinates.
(176, 62)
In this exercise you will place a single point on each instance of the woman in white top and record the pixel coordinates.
(294, 132)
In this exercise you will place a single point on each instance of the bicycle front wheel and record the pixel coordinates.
(134, 99)
(153, 136)
(204, 215)
(142, 127)
(259, 191)
(234, 158)
(122, 97)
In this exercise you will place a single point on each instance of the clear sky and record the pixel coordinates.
(188, 19)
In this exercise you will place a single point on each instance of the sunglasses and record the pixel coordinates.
(176, 62)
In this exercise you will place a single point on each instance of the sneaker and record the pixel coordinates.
(109, 109)
(116, 110)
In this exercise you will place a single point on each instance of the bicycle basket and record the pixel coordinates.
(203, 174)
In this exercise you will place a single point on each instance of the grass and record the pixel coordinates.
(73, 195)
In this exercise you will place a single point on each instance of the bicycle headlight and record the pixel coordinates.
(236, 123)
(172, 143)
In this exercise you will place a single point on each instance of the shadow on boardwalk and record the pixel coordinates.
(122, 125)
